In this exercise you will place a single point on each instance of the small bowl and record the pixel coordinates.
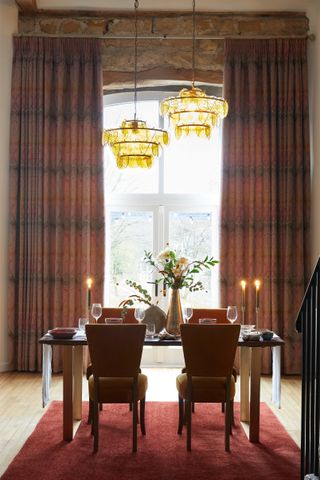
(207, 321)
(63, 333)
(253, 337)
(267, 335)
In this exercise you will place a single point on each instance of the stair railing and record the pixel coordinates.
(308, 324)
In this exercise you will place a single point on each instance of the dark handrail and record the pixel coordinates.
(308, 324)
(315, 271)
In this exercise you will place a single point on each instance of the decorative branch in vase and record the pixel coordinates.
(153, 313)
(177, 272)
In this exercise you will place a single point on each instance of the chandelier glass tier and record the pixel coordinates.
(134, 144)
(192, 111)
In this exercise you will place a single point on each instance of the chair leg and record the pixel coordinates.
(227, 427)
(188, 415)
(181, 415)
(222, 407)
(193, 407)
(130, 407)
(95, 425)
(101, 407)
(134, 425)
(184, 413)
(142, 412)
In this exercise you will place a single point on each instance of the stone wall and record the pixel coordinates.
(162, 57)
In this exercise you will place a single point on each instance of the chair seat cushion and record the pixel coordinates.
(118, 389)
(205, 389)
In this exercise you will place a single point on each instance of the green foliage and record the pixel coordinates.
(142, 297)
(178, 272)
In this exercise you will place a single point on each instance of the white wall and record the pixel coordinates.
(8, 26)
(314, 87)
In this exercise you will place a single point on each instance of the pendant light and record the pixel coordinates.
(192, 111)
(134, 144)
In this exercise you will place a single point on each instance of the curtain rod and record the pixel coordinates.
(310, 37)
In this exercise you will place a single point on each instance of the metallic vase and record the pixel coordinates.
(174, 315)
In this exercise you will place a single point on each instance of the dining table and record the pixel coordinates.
(250, 375)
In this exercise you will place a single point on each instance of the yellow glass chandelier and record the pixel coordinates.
(134, 144)
(192, 111)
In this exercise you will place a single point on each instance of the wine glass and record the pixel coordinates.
(187, 313)
(96, 311)
(139, 313)
(232, 313)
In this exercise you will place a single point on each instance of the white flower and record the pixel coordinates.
(164, 255)
(183, 261)
(181, 266)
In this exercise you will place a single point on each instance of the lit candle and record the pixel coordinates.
(243, 284)
(89, 285)
(257, 285)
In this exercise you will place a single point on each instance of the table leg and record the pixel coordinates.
(77, 379)
(244, 383)
(255, 394)
(67, 393)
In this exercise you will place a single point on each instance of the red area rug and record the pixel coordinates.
(161, 453)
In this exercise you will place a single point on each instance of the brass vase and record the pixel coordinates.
(174, 315)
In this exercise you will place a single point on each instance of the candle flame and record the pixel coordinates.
(89, 283)
(257, 284)
(243, 284)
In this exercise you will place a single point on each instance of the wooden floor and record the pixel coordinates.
(20, 404)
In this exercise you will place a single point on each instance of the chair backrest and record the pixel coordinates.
(209, 350)
(115, 350)
(219, 313)
(114, 312)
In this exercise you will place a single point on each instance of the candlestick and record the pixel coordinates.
(257, 285)
(89, 285)
(243, 284)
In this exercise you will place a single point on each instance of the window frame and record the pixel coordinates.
(159, 202)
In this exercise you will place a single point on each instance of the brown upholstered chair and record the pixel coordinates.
(114, 312)
(219, 313)
(111, 312)
(209, 352)
(154, 314)
(115, 352)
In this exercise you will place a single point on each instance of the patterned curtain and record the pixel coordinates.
(266, 184)
(56, 190)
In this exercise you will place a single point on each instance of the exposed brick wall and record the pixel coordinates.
(165, 58)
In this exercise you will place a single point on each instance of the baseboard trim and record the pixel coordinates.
(5, 367)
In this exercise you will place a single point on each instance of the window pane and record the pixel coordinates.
(192, 165)
(131, 232)
(130, 180)
(195, 235)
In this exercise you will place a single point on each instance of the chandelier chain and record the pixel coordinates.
(193, 39)
(136, 5)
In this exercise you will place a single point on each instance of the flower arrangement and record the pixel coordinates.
(178, 271)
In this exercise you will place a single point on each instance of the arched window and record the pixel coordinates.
(175, 202)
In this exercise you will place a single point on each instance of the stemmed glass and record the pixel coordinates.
(139, 313)
(232, 313)
(96, 311)
(187, 313)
